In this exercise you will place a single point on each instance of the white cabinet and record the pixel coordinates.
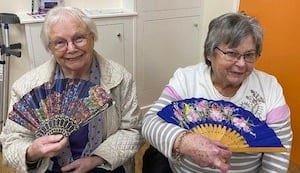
(168, 37)
(115, 40)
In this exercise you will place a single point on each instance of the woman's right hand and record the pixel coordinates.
(204, 152)
(45, 146)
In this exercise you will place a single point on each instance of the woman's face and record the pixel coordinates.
(71, 44)
(229, 73)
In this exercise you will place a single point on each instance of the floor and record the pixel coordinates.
(3, 169)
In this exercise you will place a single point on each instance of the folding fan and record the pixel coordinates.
(60, 106)
(223, 121)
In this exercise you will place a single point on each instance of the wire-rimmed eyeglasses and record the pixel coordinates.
(232, 56)
(61, 45)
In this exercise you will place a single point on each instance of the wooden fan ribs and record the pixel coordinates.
(223, 121)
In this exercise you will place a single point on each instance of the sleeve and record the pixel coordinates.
(279, 162)
(278, 118)
(15, 140)
(156, 131)
(122, 145)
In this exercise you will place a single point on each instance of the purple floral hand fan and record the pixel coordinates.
(61, 106)
(223, 121)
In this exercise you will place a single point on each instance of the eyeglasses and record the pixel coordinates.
(61, 45)
(232, 56)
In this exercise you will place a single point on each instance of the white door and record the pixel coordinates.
(166, 45)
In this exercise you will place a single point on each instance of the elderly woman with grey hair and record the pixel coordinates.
(109, 142)
(232, 48)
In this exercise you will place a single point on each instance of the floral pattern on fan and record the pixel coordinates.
(205, 111)
(61, 106)
(211, 117)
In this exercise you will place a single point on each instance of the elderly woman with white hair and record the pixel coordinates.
(108, 143)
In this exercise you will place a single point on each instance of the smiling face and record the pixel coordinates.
(75, 60)
(228, 74)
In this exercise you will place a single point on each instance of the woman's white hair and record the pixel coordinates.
(60, 14)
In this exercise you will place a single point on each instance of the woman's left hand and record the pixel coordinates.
(204, 152)
(83, 165)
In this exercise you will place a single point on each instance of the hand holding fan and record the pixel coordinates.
(61, 106)
(223, 121)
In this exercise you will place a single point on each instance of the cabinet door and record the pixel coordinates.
(110, 42)
(165, 45)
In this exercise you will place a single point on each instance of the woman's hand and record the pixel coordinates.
(46, 146)
(204, 152)
(83, 165)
